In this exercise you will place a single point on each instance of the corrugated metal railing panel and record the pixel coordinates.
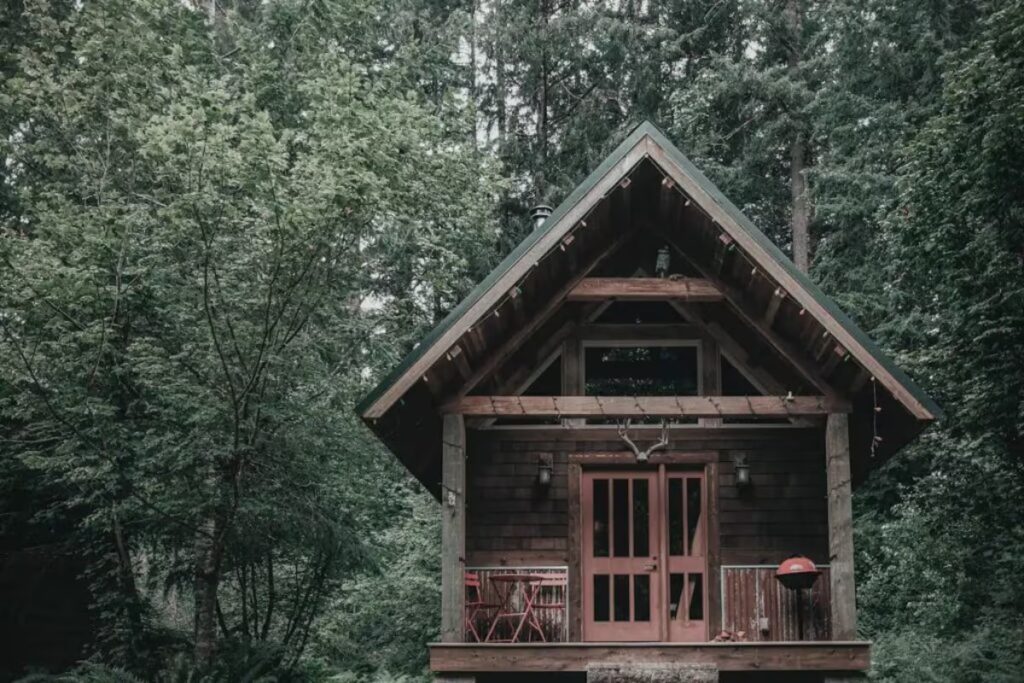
(753, 601)
(553, 622)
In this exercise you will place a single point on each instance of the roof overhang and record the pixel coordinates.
(603, 191)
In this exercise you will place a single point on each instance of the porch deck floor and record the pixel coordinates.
(552, 657)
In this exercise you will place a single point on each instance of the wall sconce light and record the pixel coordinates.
(742, 472)
(544, 469)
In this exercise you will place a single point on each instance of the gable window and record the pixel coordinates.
(641, 369)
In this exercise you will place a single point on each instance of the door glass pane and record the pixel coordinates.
(675, 516)
(621, 597)
(695, 595)
(601, 601)
(600, 518)
(675, 593)
(641, 519)
(641, 597)
(694, 540)
(620, 511)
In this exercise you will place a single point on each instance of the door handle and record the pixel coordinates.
(650, 567)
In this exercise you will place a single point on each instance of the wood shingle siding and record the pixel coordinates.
(511, 521)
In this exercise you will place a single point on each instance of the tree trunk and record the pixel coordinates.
(209, 551)
(801, 212)
(542, 107)
(800, 216)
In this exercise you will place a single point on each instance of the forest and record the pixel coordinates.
(222, 221)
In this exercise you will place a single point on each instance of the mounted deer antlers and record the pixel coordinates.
(641, 456)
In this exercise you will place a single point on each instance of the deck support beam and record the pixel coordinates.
(840, 527)
(453, 529)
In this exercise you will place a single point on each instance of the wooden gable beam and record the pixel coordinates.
(800, 295)
(738, 353)
(550, 239)
(643, 406)
(523, 333)
(784, 347)
(644, 289)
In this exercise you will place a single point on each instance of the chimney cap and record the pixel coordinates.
(539, 214)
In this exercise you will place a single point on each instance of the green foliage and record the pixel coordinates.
(217, 233)
(206, 262)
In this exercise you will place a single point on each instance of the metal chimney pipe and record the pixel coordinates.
(539, 214)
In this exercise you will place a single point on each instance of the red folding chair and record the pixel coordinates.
(475, 605)
(552, 594)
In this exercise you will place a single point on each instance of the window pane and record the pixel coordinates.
(694, 539)
(675, 516)
(641, 597)
(675, 593)
(695, 594)
(601, 601)
(641, 371)
(600, 518)
(621, 597)
(620, 510)
(641, 519)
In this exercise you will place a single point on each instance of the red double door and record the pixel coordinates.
(644, 564)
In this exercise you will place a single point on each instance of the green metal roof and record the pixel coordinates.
(648, 129)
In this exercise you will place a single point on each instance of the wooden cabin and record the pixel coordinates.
(629, 425)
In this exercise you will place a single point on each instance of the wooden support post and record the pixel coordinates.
(572, 371)
(575, 536)
(840, 527)
(711, 375)
(453, 529)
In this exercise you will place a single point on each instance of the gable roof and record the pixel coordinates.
(646, 141)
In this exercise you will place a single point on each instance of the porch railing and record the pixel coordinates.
(756, 604)
(753, 602)
(554, 622)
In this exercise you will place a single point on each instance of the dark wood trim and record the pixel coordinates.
(840, 526)
(639, 332)
(714, 552)
(453, 528)
(552, 657)
(575, 587)
(685, 434)
(643, 406)
(598, 459)
(644, 289)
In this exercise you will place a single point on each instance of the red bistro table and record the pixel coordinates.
(507, 586)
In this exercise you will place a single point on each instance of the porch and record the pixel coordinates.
(816, 656)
